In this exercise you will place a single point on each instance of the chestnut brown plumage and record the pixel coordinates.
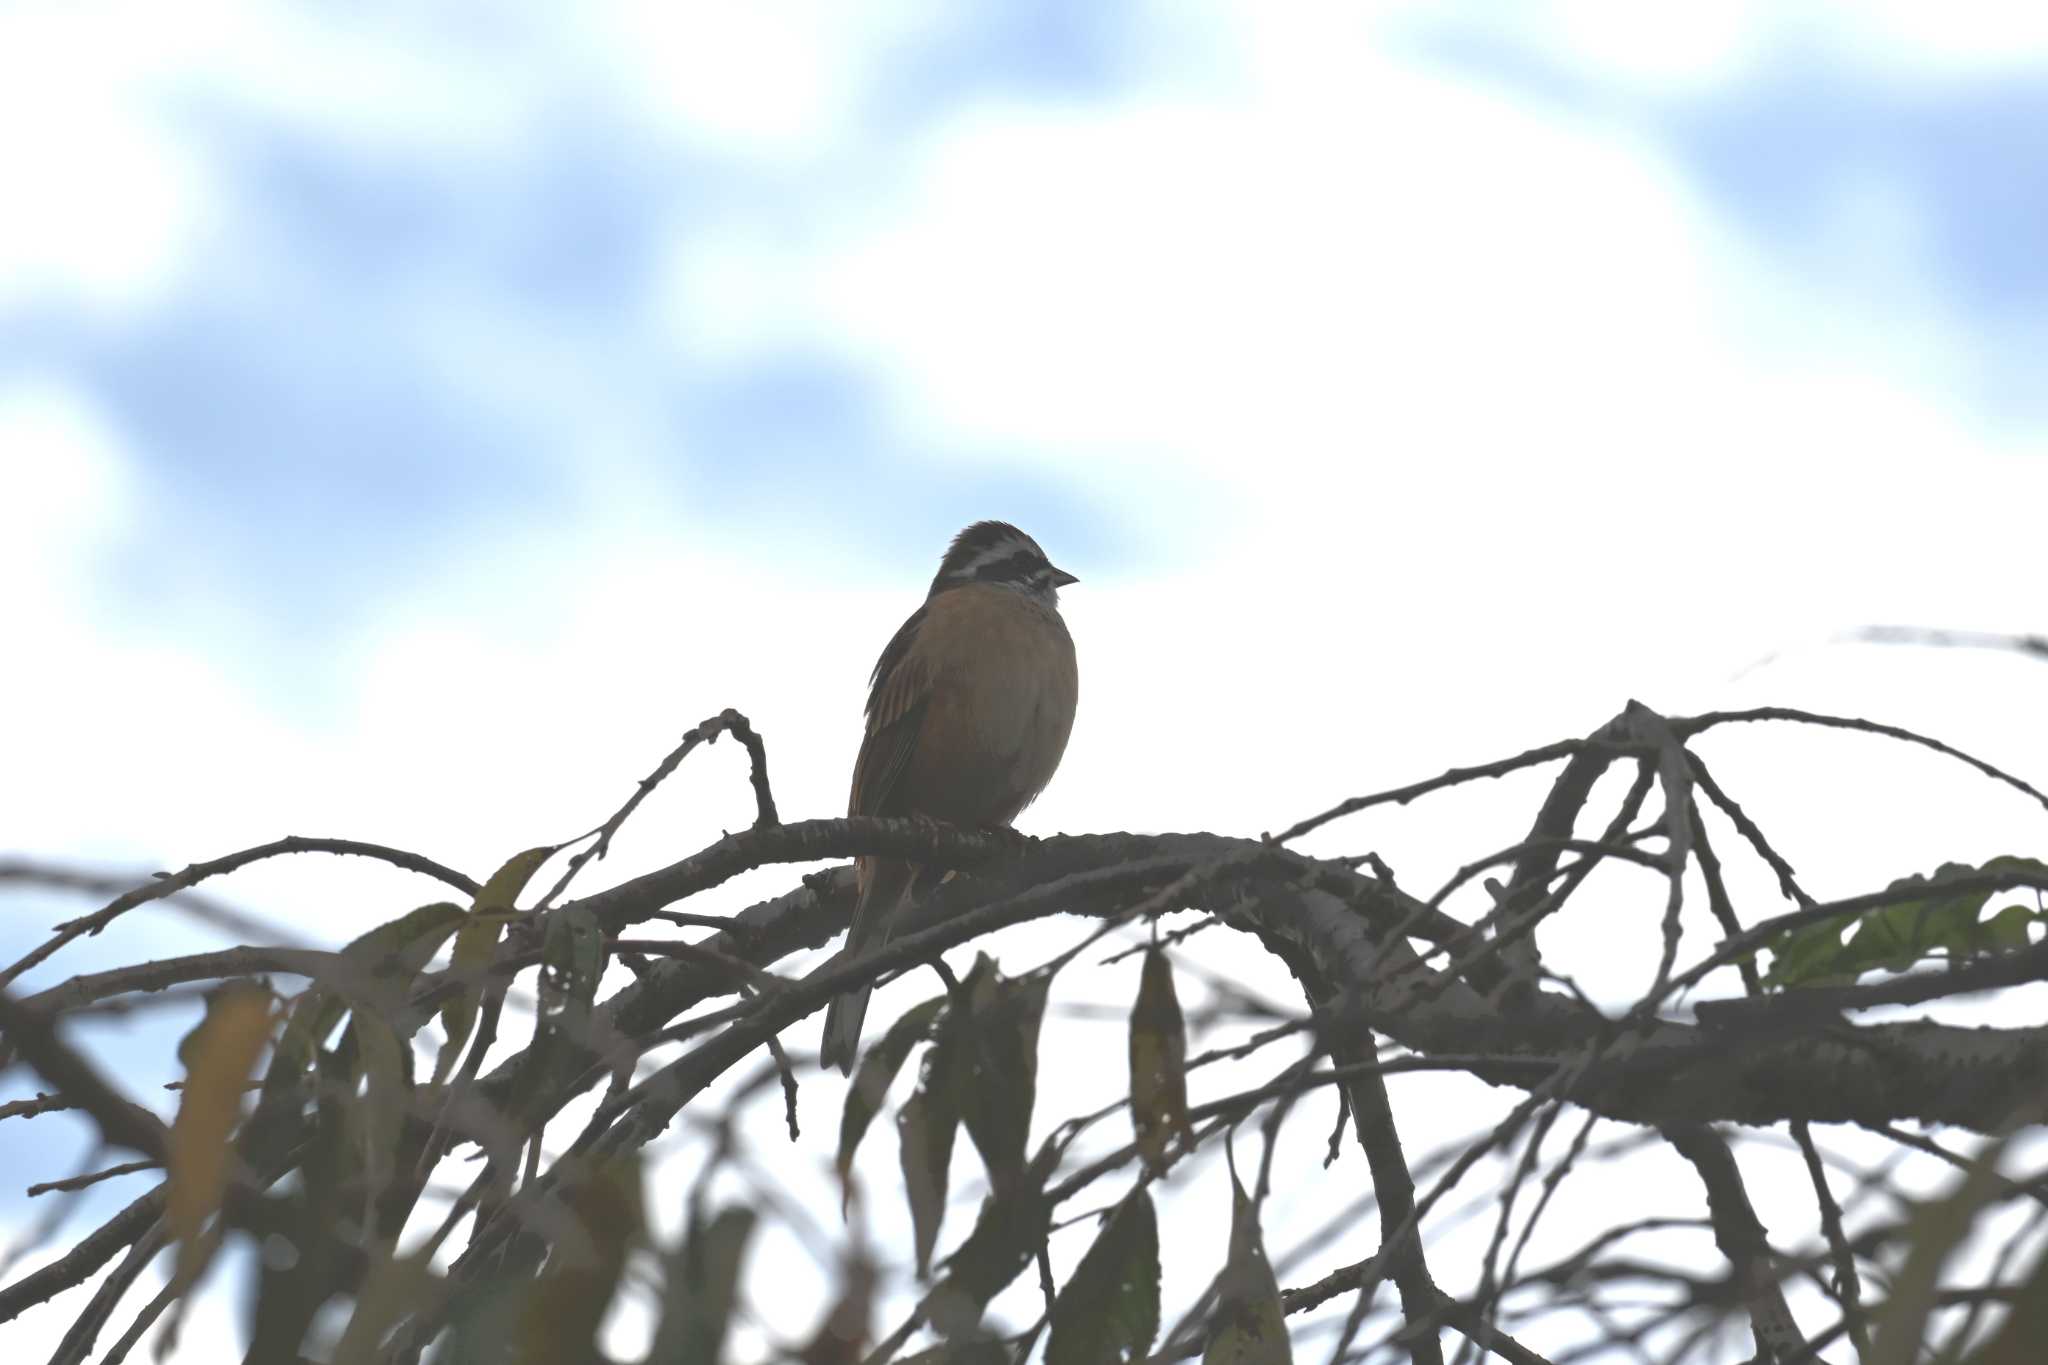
(968, 714)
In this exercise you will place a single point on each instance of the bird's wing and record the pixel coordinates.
(897, 695)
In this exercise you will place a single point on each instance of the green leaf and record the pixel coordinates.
(475, 941)
(1011, 1228)
(383, 1066)
(983, 1350)
(396, 1287)
(564, 1308)
(1247, 1328)
(925, 1127)
(997, 1038)
(699, 1286)
(1941, 923)
(1159, 1049)
(1109, 1310)
(878, 1068)
(397, 950)
(572, 964)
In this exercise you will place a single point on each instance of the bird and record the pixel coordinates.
(968, 713)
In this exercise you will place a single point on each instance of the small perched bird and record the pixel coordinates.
(968, 713)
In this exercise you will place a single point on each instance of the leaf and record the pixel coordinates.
(402, 947)
(396, 1287)
(1159, 1049)
(878, 1068)
(997, 1041)
(475, 941)
(1007, 1234)
(572, 964)
(566, 1305)
(383, 1071)
(1109, 1310)
(698, 1290)
(220, 1055)
(1941, 923)
(2020, 1336)
(983, 1350)
(925, 1127)
(1247, 1327)
(1934, 1232)
(565, 1027)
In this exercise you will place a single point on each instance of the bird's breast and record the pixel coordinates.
(1004, 690)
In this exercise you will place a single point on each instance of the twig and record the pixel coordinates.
(1401, 796)
(172, 883)
(98, 883)
(1693, 725)
(43, 1103)
(725, 722)
(79, 1182)
(120, 1120)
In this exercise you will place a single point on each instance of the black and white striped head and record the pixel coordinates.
(998, 553)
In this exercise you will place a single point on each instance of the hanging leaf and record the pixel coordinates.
(1109, 1310)
(383, 1073)
(564, 1308)
(1941, 923)
(220, 1055)
(700, 1286)
(997, 1037)
(1007, 1234)
(398, 950)
(565, 1027)
(572, 964)
(1247, 1327)
(925, 1127)
(878, 1068)
(475, 941)
(395, 1288)
(842, 1338)
(1159, 1050)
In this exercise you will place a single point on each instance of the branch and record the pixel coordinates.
(170, 885)
(120, 1120)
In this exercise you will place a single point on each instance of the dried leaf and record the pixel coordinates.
(1248, 1327)
(1109, 1310)
(220, 1056)
(878, 1068)
(475, 941)
(1159, 1049)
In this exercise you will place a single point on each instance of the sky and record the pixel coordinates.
(414, 417)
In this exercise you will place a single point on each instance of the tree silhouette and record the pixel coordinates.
(481, 1198)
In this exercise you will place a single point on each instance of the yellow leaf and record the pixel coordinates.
(475, 941)
(1159, 1049)
(220, 1057)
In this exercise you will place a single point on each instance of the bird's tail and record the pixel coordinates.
(887, 882)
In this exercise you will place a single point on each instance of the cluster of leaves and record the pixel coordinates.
(342, 1059)
(1932, 918)
(979, 1072)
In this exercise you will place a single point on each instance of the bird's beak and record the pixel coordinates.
(1061, 578)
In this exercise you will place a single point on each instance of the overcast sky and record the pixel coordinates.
(414, 417)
